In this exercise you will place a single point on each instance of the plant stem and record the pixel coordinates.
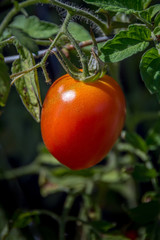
(71, 9)
(7, 41)
(68, 47)
(18, 75)
(77, 47)
(19, 172)
(67, 206)
(154, 180)
(15, 10)
(83, 13)
(86, 208)
(48, 213)
(60, 33)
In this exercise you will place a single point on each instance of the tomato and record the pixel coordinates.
(131, 234)
(80, 122)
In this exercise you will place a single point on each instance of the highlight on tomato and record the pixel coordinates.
(80, 122)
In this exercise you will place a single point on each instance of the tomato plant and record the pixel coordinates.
(80, 122)
(87, 71)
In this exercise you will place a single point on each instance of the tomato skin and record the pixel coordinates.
(80, 122)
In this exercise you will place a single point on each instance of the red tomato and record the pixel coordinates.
(131, 234)
(80, 121)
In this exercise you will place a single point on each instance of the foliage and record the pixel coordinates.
(122, 192)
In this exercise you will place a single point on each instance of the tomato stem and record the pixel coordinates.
(77, 47)
(86, 75)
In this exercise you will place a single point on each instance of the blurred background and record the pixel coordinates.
(21, 144)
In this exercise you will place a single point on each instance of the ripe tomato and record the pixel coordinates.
(80, 121)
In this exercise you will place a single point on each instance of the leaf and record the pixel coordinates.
(150, 71)
(28, 85)
(157, 20)
(102, 226)
(24, 219)
(6, 34)
(157, 30)
(153, 137)
(50, 184)
(25, 40)
(145, 212)
(150, 12)
(126, 43)
(136, 141)
(127, 6)
(143, 174)
(34, 27)
(4, 82)
(78, 32)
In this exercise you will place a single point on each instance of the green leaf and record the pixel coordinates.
(113, 176)
(78, 32)
(102, 226)
(4, 82)
(157, 30)
(126, 43)
(153, 137)
(157, 20)
(6, 34)
(50, 184)
(28, 85)
(150, 12)
(24, 219)
(150, 71)
(34, 27)
(63, 179)
(127, 6)
(115, 237)
(47, 159)
(25, 40)
(145, 212)
(143, 174)
(126, 147)
(136, 141)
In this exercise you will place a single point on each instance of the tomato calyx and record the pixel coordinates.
(94, 70)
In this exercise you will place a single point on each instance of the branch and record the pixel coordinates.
(41, 53)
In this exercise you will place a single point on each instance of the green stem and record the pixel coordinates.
(60, 33)
(6, 42)
(46, 75)
(15, 10)
(154, 180)
(83, 13)
(18, 75)
(73, 10)
(67, 206)
(78, 48)
(19, 172)
(42, 42)
(48, 213)
(85, 208)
